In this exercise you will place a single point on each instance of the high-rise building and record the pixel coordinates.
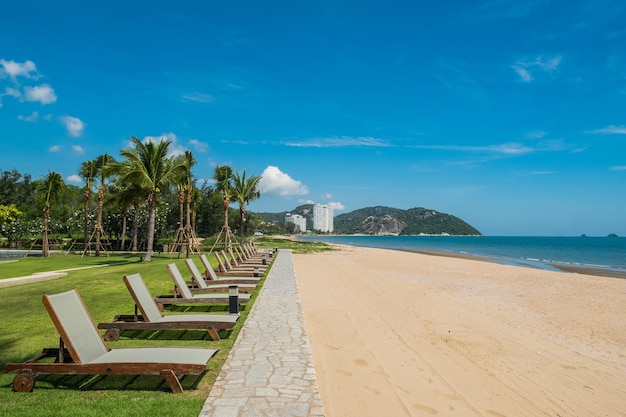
(323, 218)
(297, 220)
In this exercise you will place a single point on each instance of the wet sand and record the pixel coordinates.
(396, 333)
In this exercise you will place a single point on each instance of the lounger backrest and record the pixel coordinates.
(195, 273)
(226, 260)
(208, 267)
(138, 289)
(233, 257)
(219, 261)
(179, 281)
(75, 325)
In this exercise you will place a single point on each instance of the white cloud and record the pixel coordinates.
(618, 168)
(197, 97)
(55, 148)
(326, 196)
(504, 148)
(14, 69)
(526, 68)
(174, 150)
(610, 130)
(336, 205)
(76, 179)
(33, 117)
(199, 146)
(78, 149)
(42, 93)
(337, 142)
(274, 181)
(74, 125)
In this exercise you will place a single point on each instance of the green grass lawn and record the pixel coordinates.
(26, 328)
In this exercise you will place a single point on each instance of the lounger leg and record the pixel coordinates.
(215, 336)
(172, 380)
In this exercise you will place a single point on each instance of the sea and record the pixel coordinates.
(535, 252)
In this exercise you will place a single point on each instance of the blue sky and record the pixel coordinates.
(508, 114)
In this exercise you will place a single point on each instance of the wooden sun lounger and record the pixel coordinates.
(83, 352)
(148, 316)
(199, 284)
(183, 294)
(225, 268)
(211, 275)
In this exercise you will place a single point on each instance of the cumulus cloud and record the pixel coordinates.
(42, 93)
(610, 130)
(526, 68)
(55, 148)
(336, 205)
(274, 181)
(78, 149)
(76, 179)
(74, 125)
(14, 69)
(175, 148)
(326, 196)
(199, 146)
(33, 117)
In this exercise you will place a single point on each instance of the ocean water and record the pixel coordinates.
(538, 252)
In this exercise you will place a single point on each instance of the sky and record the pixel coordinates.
(510, 115)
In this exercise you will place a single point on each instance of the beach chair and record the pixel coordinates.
(148, 316)
(238, 261)
(225, 268)
(199, 284)
(211, 275)
(183, 294)
(82, 351)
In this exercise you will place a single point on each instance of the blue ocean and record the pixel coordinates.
(538, 252)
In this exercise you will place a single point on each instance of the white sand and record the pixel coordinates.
(403, 334)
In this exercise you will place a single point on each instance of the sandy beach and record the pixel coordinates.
(407, 334)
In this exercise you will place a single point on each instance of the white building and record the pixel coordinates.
(297, 220)
(323, 218)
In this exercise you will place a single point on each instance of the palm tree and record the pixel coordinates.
(126, 196)
(188, 162)
(87, 172)
(148, 166)
(51, 187)
(223, 176)
(102, 163)
(245, 190)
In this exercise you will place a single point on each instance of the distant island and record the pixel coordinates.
(382, 220)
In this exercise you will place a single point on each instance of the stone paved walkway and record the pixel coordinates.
(269, 372)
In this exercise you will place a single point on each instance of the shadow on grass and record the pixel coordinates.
(172, 334)
(113, 382)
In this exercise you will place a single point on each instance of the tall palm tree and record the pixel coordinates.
(50, 187)
(223, 176)
(125, 197)
(149, 166)
(188, 162)
(244, 190)
(103, 164)
(87, 172)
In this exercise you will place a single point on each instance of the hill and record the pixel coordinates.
(381, 220)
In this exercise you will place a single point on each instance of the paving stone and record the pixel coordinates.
(270, 370)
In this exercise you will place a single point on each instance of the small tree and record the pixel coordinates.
(245, 190)
(50, 188)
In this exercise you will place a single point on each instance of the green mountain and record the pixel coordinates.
(381, 220)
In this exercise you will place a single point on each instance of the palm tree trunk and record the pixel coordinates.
(135, 227)
(151, 225)
(86, 218)
(45, 249)
(123, 237)
(242, 233)
(99, 220)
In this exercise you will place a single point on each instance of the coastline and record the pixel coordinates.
(586, 270)
(404, 333)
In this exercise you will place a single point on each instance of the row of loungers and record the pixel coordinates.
(82, 349)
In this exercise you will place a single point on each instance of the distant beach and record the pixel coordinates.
(591, 255)
(404, 333)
